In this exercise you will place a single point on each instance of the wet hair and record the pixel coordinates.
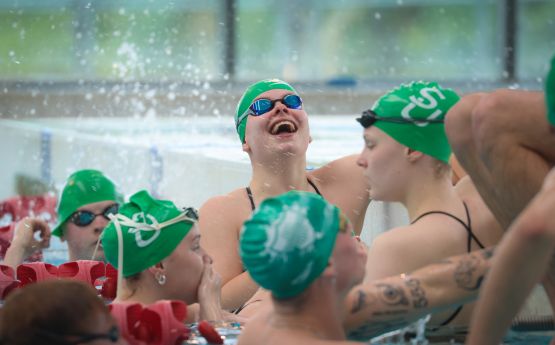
(58, 307)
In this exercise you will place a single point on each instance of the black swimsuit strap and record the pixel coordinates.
(467, 227)
(314, 186)
(471, 236)
(251, 198)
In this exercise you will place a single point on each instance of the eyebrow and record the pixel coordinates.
(197, 237)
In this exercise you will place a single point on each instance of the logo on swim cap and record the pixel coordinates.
(147, 229)
(287, 243)
(424, 106)
(426, 101)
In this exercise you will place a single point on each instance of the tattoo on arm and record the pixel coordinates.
(464, 274)
(392, 295)
(418, 294)
(487, 253)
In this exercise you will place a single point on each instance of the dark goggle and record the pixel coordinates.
(191, 212)
(263, 105)
(84, 218)
(369, 117)
(112, 335)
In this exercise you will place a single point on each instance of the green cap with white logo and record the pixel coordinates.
(287, 243)
(417, 111)
(146, 230)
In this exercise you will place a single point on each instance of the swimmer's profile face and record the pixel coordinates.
(384, 162)
(281, 129)
(184, 268)
(81, 240)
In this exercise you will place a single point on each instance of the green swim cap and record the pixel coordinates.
(151, 229)
(287, 243)
(249, 96)
(417, 101)
(84, 187)
(550, 93)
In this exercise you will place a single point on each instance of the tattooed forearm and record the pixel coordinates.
(392, 295)
(487, 253)
(418, 294)
(359, 302)
(464, 274)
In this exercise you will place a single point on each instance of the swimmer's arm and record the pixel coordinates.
(348, 186)
(24, 244)
(387, 304)
(219, 238)
(520, 261)
(238, 291)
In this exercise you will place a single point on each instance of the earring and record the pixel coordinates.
(161, 278)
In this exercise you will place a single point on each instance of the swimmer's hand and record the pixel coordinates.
(209, 292)
(24, 243)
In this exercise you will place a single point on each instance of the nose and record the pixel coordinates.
(361, 162)
(99, 224)
(279, 106)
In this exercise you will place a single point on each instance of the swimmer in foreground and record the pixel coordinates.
(406, 160)
(525, 256)
(273, 128)
(86, 201)
(301, 248)
(162, 257)
(57, 312)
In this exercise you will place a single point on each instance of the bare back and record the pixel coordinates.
(260, 330)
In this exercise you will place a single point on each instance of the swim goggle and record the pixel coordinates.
(84, 217)
(263, 105)
(369, 117)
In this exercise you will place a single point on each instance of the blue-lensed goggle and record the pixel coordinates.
(263, 105)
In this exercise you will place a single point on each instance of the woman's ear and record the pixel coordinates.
(412, 155)
(157, 269)
(246, 147)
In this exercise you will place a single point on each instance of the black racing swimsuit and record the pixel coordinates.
(253, 206)
(471, 236)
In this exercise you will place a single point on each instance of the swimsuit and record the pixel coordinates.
(471, 236)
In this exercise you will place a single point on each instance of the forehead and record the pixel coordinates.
(374, 132)
(193, 233)
(274, 94)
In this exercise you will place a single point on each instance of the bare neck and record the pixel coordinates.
(278, 176)
(145, 291)
(430, 194)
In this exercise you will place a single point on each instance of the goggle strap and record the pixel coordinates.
(120, 219)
